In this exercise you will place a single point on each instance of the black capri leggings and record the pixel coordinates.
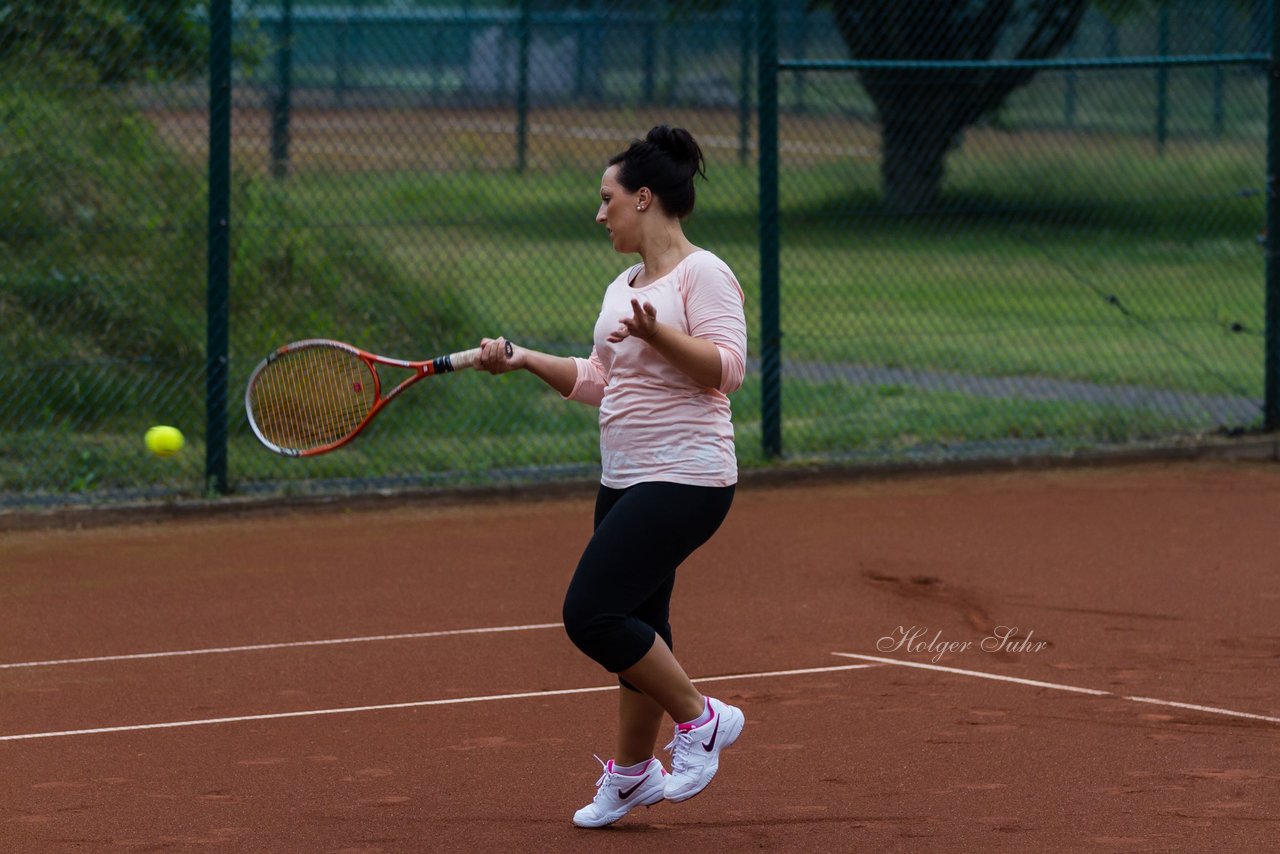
(620, 595)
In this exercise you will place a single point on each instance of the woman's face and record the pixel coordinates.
(618, 212)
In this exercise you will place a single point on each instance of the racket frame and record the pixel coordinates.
(430, 367)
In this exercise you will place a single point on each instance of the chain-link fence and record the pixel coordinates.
(1054, 247)
(1077, 264)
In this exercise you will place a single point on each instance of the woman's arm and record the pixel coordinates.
(698, 358)
(559, 372)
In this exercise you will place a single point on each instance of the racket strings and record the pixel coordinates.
(312, 397)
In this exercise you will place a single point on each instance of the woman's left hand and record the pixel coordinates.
(642, 324)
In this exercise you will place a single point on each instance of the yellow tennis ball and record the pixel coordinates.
(164, 441)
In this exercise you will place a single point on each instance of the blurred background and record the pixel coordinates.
(1031, 227)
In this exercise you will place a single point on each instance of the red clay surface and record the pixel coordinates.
(1152, 581)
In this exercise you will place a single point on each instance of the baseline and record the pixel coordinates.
(284, 645)
(978, 674)
(410, 705)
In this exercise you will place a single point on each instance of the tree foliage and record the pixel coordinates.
(121, 40)
(923, 112)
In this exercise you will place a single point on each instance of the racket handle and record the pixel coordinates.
(462, 360)
(459, 361)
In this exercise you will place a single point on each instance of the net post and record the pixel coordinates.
(217, 292)
(770, 322)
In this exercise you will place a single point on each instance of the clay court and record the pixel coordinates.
(393, 678)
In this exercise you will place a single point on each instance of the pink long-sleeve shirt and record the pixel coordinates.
(657, 424)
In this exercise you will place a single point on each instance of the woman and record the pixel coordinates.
(670, 343)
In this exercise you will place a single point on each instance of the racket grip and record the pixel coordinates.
(464, 359)
(459, 361)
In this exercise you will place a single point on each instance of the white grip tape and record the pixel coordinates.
(464, 359)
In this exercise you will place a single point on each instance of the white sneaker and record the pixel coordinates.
(618, 794)
(695, 752)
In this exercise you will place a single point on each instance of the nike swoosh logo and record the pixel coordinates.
(707, 745)
(629, 792)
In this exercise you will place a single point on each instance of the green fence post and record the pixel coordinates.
(468, 33)
(672, 49)
(219, 227)
(1162, 84)
(1220, 71)
(522, 85)
(1070, 94)
(342, 58)
(770, 323)
(1271, 394)
(649, 59)
(280, 106)
(744, 81)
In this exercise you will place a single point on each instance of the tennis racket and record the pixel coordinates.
(314, 396)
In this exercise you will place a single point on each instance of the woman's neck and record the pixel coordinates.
(664, 252)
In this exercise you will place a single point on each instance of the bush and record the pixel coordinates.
(103, 263)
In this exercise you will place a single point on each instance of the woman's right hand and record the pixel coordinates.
(498, 355)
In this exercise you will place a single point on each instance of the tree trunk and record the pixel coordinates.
(915, 138)
(924, 110)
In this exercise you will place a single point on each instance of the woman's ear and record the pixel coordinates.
(644, 198)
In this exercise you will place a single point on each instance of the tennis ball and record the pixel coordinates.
(164, 441)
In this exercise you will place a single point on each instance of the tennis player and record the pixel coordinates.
(670, 344)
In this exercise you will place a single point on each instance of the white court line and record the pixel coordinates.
(977, 673)
(287, 645)
(412, 705)
(1213, 710)
(765, 673)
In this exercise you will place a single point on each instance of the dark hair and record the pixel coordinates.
(665, 161)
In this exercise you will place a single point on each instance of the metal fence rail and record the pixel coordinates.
(1238, 404)
(191, 184)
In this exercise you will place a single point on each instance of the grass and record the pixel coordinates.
(1092, 274)
(430, 440)
(1055, 255)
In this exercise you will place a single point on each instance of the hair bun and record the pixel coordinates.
(679, 145)
(676, 142)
